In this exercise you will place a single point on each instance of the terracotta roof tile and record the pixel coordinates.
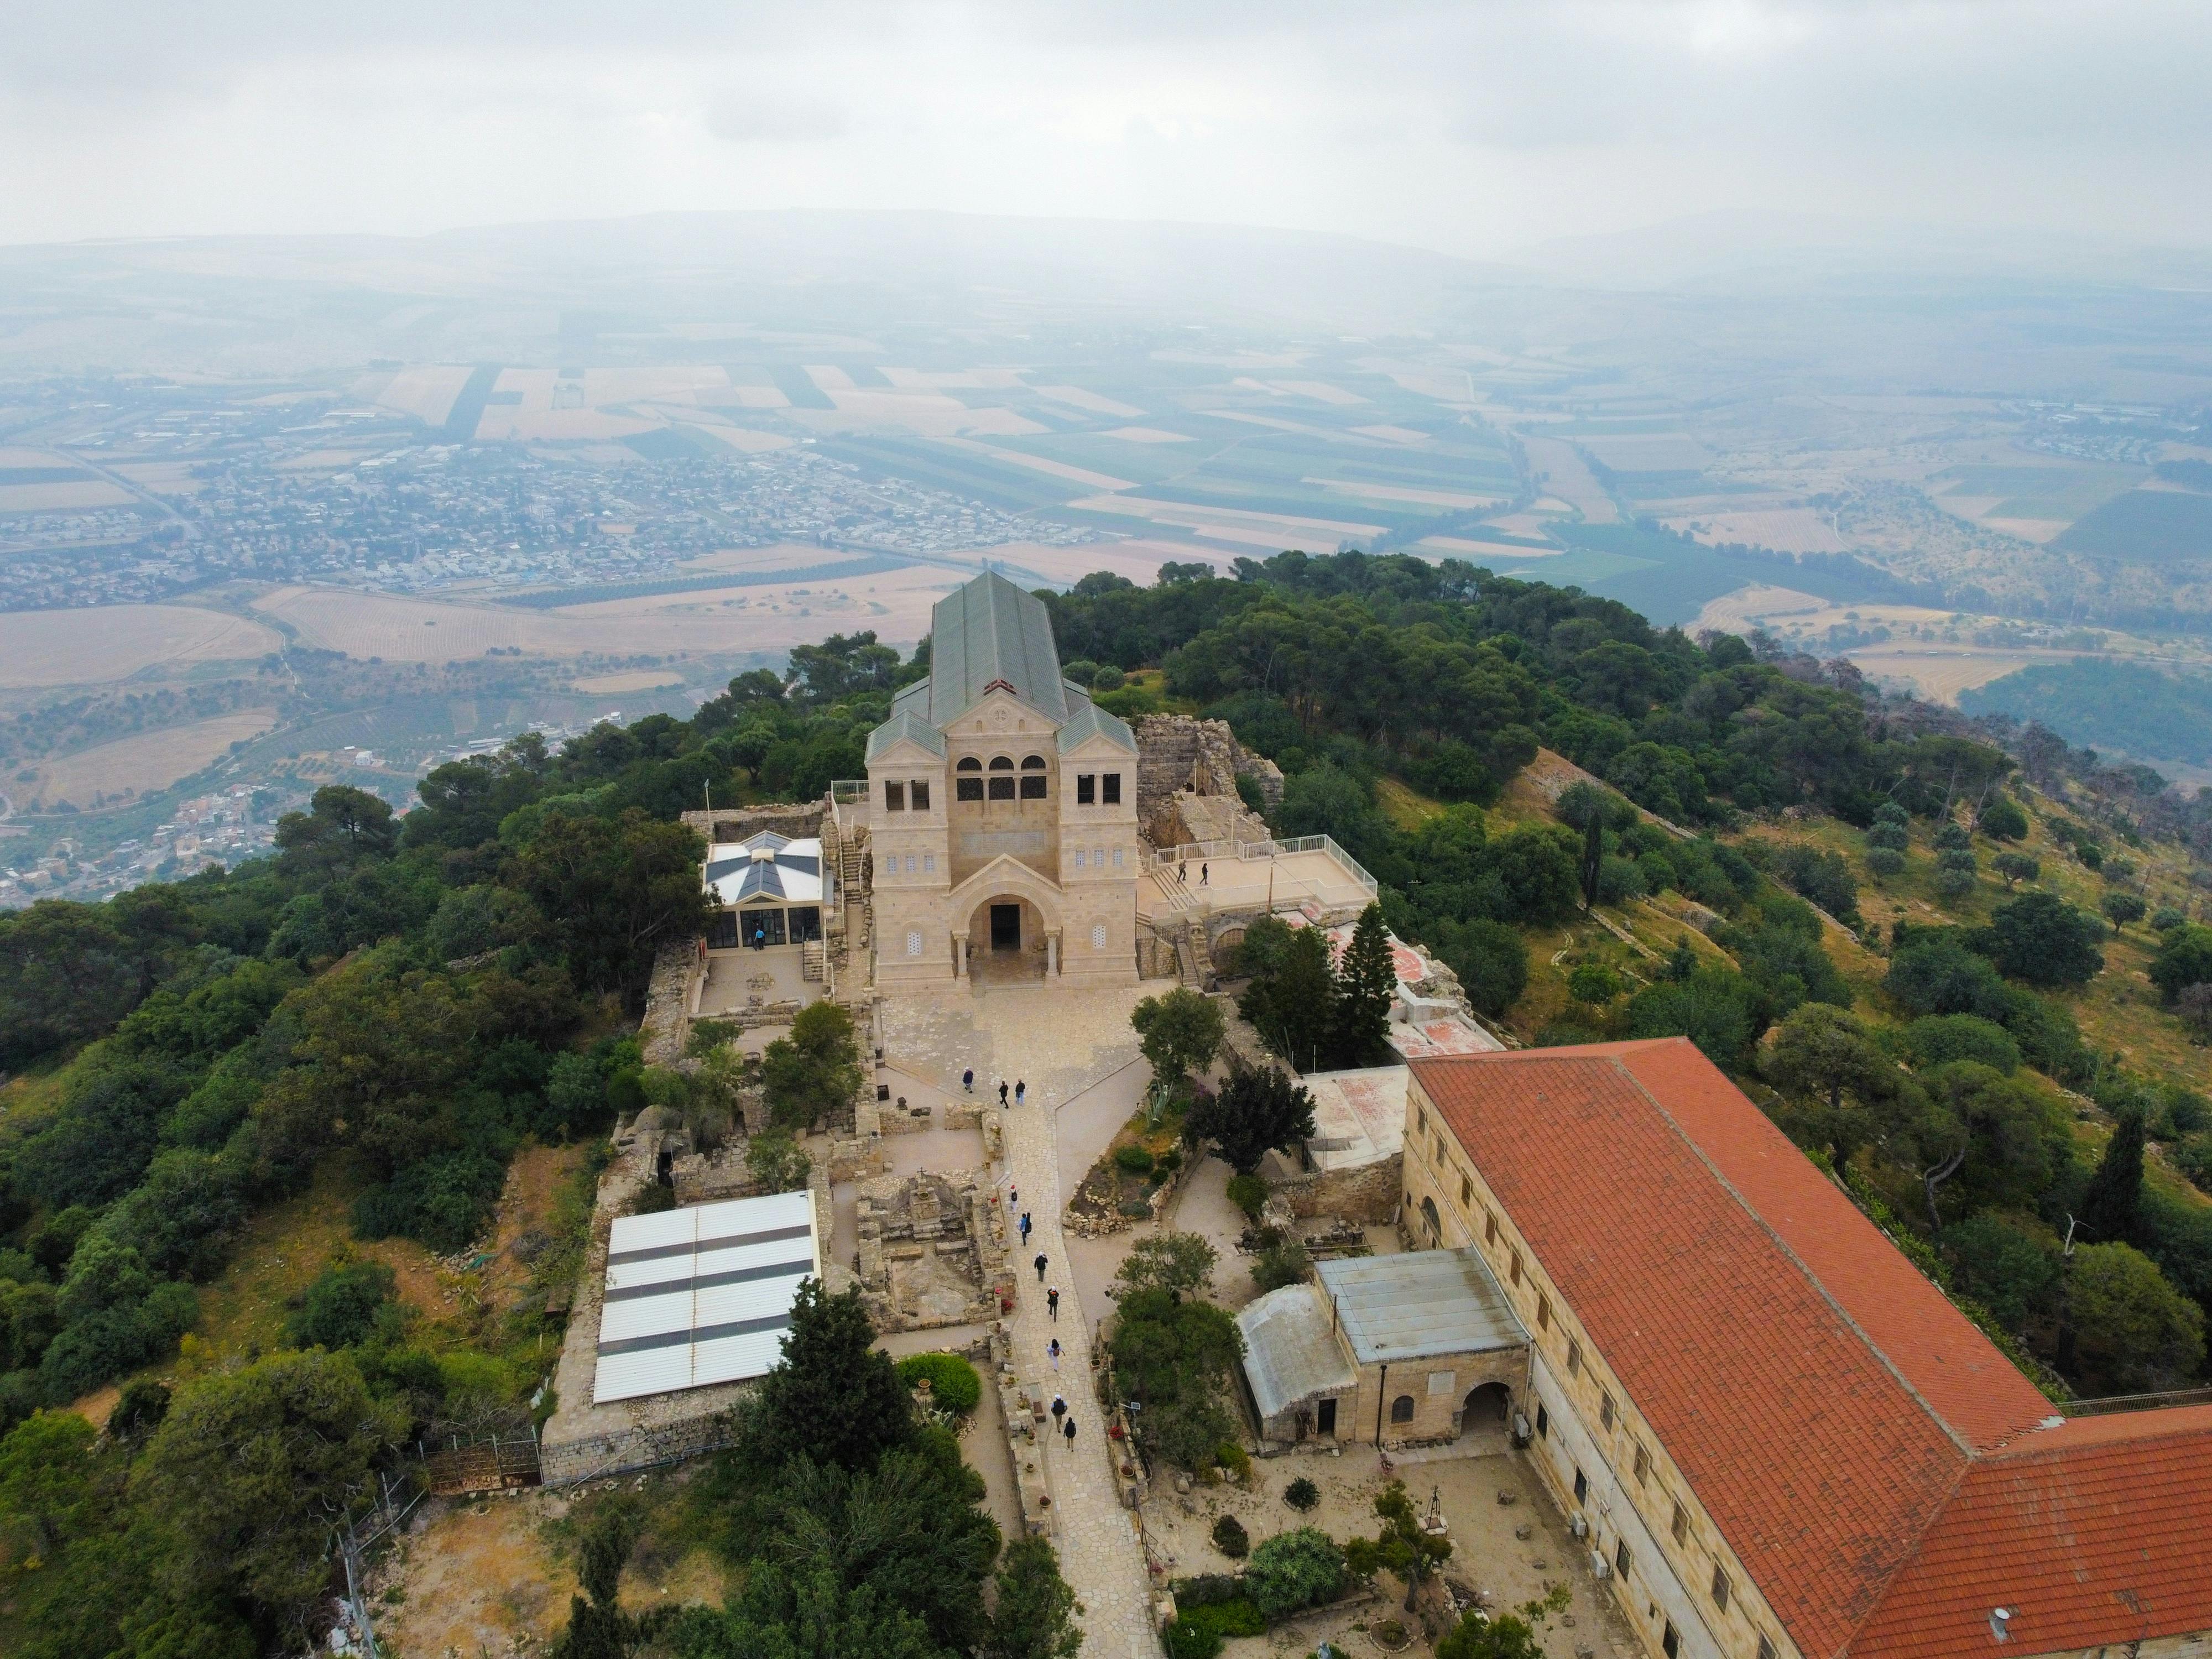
(1817, 1464)
(2089, 1535)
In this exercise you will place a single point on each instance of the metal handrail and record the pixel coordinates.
(1254, 851)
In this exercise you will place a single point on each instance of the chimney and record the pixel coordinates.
(1999, 1619)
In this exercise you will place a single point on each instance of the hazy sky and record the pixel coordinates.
(1473, 127)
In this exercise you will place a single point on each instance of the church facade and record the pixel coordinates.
(1002, 809)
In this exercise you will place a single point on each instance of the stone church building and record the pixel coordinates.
(1002, 809)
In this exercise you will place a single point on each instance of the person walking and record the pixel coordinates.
(1020, 1090)
(1053, 1348)
(968, 1080)
(1026, 1229)
(1183, 873)
(1051, 1299)
(1013, 1197)
(1039, 1264)
(1002, 1094)
(1059, 1410)
(1205, 874)
(1068, 1429)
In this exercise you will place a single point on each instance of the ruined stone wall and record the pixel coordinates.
(1369, 1194)
(1177, 752)
(796, 820)
(670, 996)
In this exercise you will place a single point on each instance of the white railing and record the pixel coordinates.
(849, 803)
(1249, 852)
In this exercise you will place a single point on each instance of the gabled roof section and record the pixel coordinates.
(1420, 1305)
(909, 725)
(1091, 721)
(990, 635)
(2091, 1535)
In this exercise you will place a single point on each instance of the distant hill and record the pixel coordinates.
(2103, 704)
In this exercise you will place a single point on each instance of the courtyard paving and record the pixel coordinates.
(1069, 1046)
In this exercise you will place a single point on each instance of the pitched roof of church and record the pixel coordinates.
(986, 634)
(1849, 1431)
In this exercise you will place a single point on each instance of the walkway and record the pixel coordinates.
(1062, 1043)
(1232, 884)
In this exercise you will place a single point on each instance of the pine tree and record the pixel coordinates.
(1365, 984)
(2108, 1207)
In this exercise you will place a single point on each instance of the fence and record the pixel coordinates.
(2112, 1404)
(491, 1463)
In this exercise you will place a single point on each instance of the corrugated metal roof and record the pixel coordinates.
(986, 633)
(911, 723)
(1291, 1353)
(702, 1294)
(1419, 1305)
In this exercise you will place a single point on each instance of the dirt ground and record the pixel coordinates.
(1487, 1552)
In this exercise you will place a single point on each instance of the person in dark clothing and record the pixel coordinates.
(1040, 1266)
(1051, 1302)
(968, 1080)
(1002, 1091)
(1026, 1226)
(1058, 1409)
(1068, 1429)
(1205, 874)
(1020, 1090)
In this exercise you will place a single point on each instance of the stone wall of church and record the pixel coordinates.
(1176, 752)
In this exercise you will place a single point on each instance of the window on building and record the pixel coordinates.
(1574, 1358)
(1671, 1643)
(1581, 1487)
(1466, 1191)
(1402, 1409)
(1110, 792)
(913, 943)
(1543, 1423)
(1440, 1146)
(929, 864)
(1605, 1410)
(1489, 1228)
(1033, 776)
(1420, 1121)
(1098, 935)
(894, 798)
(1621, 1558)
(1680, 1527)
(805, 922)
(965, 787)
(890, 865)
(1078, 858)
(1766, 1648)
(1033, 763)
(722, 932)
(1435, 1222)
(970, 764)
(1643, 1465)
(910, 864)
(1002, 762)
(1517, 1267)
(1086, 788)
(1543, 1313)
(918, 790)
(1002, 788)
(1117, 858)
(1720, 1590)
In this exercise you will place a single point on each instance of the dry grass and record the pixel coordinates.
(1786, 528)
(144, 762)
(427, 392)
(1941, 673)
(39, 648)
(637, 679)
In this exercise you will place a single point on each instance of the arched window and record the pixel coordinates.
(1429, 1215)
(970, 763)
(1002, 788)
(1030, 763)
(1033, 775)
(1402, 1409)
(966, 787)
(1002, 764)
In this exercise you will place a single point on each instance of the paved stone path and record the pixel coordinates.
(1060, 1042)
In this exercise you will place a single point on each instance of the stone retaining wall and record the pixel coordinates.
(1368, 1194)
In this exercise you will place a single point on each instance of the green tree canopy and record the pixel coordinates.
(1258, 1108)
(1179, 1032)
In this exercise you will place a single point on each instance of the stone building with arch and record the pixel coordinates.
(1002, 809)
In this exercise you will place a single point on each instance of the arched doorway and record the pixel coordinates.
(1007, 940)
(1486, 1415)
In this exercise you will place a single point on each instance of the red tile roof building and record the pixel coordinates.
(1796, 1442)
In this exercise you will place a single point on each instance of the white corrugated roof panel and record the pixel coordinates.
(702, 1294)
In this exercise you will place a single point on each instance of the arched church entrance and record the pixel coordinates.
(1486, 1414)
(1008, 940)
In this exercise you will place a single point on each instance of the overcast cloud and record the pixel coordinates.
(1475, 129)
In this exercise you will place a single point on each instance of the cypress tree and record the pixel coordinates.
(1365, 984)
(2108, 1207)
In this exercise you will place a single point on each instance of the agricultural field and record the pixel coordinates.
(1560, 468)
(2150, 526)
(1941, 672)
(1784, 529)
(40, 649)
(2034, 503)
(143, 763)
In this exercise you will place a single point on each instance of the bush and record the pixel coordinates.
(1938, 1039)
(1233, 1459)
(954, 1385)
(1294, 1569)
(1231, 1538)
(339, 1309)
(1302, 1495)
(1108, 678)
(1886, 861)
(1249, 1193)
(2002, 820)
(1593, 982)
(1282, 1262)
(2166, 919)
(1888, 838)
(1952, 838)
(1186, 1640)
(1135, 1160)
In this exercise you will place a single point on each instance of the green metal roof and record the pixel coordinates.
(905, 723)
(1090, 720)
(988, 634)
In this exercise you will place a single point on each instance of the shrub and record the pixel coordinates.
(1888, 838)
(1234, 1459)
(2166, 919)
(1282, 1262)
(339, 1309)
(1886, 861)
(1892, 812)
(1593, 982)
(1302, 1495)
(2002, 820)
(1249, 1193)
(954, 1385)
(2121, 908)
(1294, 1569)
(1108, 678)
(1952, 838)
(1231, 1538)
(1187, 1640)
(1134, 1159)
